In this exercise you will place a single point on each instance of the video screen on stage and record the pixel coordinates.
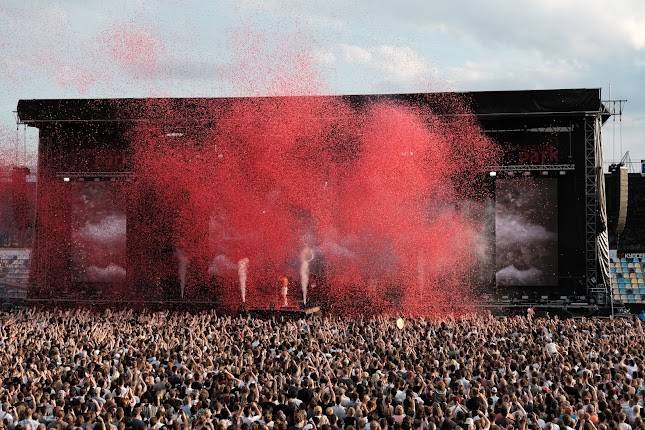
(526, 231)
(98, 233)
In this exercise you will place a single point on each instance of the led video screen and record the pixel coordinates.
(98, 250)
(526, 231)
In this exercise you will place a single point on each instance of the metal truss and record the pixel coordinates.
(94, 176)
(532, 167)
(592, 137)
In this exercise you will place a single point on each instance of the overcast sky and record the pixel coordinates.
(138, 48)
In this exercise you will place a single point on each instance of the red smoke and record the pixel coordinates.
(373, 189)
(134, 49)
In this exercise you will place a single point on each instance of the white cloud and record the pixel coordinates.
(579, 28)
(329, 23)
(356, 54)
(323, 56)
(635, 29)
(520, 70)
(398, 62)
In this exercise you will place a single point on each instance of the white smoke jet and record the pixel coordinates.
(242, 273)
(306, 257)
(421, 271)
(284, 291)
(182, 270)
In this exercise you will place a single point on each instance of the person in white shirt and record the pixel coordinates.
(551, 348)
(631, 367)
(622, 425)
(339, 409)
(28, 420)
(250, 414)
(464, 383)
(400, 395)
(551, 426)
(494, 396)
(5, 415)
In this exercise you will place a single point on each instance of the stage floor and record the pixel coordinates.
(291, 311)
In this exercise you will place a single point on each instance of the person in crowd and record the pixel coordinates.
(79, 369)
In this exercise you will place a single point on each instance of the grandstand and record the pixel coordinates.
(627, 281)
(14, 272)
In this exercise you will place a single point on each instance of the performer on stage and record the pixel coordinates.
(284, 290)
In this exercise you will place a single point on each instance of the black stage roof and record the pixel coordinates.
(485, 104)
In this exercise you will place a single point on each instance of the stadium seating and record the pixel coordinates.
(14, 272)
(628, 279)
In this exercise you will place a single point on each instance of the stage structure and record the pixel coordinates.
(549, 182)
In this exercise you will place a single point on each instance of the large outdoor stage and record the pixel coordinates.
(543, 202)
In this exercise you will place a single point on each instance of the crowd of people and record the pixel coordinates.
(80, 369)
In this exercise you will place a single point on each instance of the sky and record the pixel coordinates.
(182, 48)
